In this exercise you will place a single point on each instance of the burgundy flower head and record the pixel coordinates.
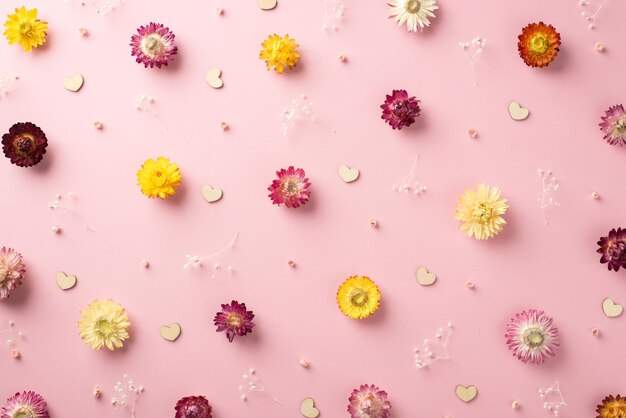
(400, 110)
(234, 319)
(153, 45)
(25, 144)
(291, 188)
(613, 249)
(193, 407)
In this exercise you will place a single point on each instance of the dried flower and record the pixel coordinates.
(291, 188)
(27, 404)
(412, 12)
(614, 125)
(368, 401)
(234, 319)
(612, 407)
(480, 212)
(104, 323)
(538, 44)
(11, 271)
(531, 336)
(24, 28)
(193, 407)
(159, 178)
(279, 53)
(400, 110)
(613, 249)
(153, 45)
(358, 297)
(25, 144)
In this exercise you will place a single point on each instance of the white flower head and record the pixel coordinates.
(415, 13)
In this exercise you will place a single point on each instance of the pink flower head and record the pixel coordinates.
(531, 336)
(27, 404)
(193, 407)
(368, 401)
(234, 319)
(613, 249)
(400, 110)
(291, 188)
(11, 271)
(614, 125)
(153, 45)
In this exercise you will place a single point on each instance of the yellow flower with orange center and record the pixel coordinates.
(24, 28)
(358, 297)
(159, 178)
(279, 53)
(480, 212)
(538, 44)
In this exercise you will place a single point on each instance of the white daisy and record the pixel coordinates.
(414, 12)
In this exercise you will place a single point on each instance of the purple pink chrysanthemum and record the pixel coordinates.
(193, 407)
(25, 144)
(153, 45)
(613, 249)
(613, 125)
(27, 404)
(531, 336)
(400, 110)
(234, 319)
(368, 401)
(291, 188)
(11, 271)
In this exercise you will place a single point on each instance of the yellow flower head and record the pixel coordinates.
(480, 211)
(104, 323)
(279, 53)
(24, 28)
(159, 178)
(358, 297)
(612, 407)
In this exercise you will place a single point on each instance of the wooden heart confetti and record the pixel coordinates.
(213, 78)
(211, 194)
(466, 394)
(73, 83)
(611, 309)
(65, 282)
(170, 332)
(308, 409)
(424, 277)
(348, 174)
(267, 4)
(518, 112)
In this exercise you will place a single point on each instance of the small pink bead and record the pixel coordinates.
(224, 126)
(56, 229)
(219, 10)
(599, 47)
(15, 353)
(595, 195)
(342, 58)
(473, 133)
(97, 124)
(291, 263)
(374, 222)
(470, 285)
(145, 264)
(595, 332)
(83, 31)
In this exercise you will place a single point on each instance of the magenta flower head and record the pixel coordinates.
(531, 336)
(400, 110)
(193, 407)
(25, 144)
(234, 319)
(368, 401)
(291, 188)
(27, 404)
(153, 45)
(613, 125)
(613, 249)
(11, 271)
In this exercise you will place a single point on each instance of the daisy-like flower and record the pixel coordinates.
(153, 45)
(612, 407)
(358, 297)
(193, 407)
(614, 125)
(480, 212)
(234, 319)
(104, 323)
(291, 188)
(27, 404)
(400, 110)
(279, 53)
(25, 144)
(538, 44)
(531, 336)
(415, 13)
(159, 178)
(368, 401)
(613, 249)
(25, 29)
(11, 271)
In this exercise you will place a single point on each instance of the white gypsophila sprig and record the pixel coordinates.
(433, 350)
(57, 203)
(253, 384)
(549, 185)
(5, 83)
(127, 394)
(409, 183)
(552, 398)
(300, 110)
(591, 18)
(195, 261)
(333, 14)
(473, 50)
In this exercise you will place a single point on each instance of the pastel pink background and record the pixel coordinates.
(530, 264)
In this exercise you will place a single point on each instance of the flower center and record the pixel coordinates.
(482, 213)
(4, 274)
(24, 145)
(291, 188)
(159, 177)
(23, 412)
(615, 249)
(533, 337)
(235, 320)
(153, 46)
(539, 43)
(358, 297)
(620, 125)
(105, 327)
(401, 109)
(25, 28)
(413, 6)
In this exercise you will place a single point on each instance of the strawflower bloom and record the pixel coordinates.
(27, 404)
(415, 13)
(531, 336)
(25, 29)
(358, 297)
(159, 178)
(612, 407)
(104, 323)
(538, 44)
(279, 53)
(193, 407)
(153, 45)
(613, 249)
(291, 188)
(25, 144)
(368, 401)
(480, 212)
(614, 125)
(234, 319)
(400, 110)
(11, 271)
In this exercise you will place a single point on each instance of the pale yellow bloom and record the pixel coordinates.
(104, 323)
(480, 212)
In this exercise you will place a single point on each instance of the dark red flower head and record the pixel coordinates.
(613, 249)
(25, 144)
(193, 407)
(400, 110)
(234, 319)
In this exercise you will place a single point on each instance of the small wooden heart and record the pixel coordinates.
(170, 332)
(466, 394)
(348, 174)
(424, 277)
(611, 309)
(308, 409)
(211, 194)
(64, 281)
(518, 112)
(267, 4)
(73, 83)
(213, 78)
